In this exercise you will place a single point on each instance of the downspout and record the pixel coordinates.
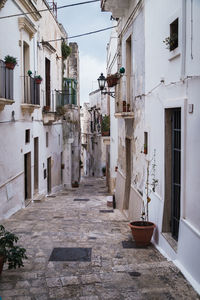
(183, 60)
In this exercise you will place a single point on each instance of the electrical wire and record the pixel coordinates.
(79, 35)
(47, 9)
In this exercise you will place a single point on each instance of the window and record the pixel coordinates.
(47, 139)
(173, 35)
(145, 142)
(27, 136)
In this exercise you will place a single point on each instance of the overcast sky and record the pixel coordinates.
(92, 48)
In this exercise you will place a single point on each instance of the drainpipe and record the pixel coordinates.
(183, 60)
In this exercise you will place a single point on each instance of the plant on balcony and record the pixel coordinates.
(10, 62)
(46, 108)
(38, 79)
(9, 252)
(142, 231)
(29, 72)
(61, 110)
(112, 80)
(66, 50)
(105, 125)
(171, 41)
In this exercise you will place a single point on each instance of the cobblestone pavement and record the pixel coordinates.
(114, 272)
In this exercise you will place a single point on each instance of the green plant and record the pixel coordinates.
(105, 125)
(104, 170)
(29, 72)
(38, 77)
(150, 181)
(10, 59)
(66, 50)
(171, 42)
(11, 253)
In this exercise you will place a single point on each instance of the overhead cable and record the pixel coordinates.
(79, 35)
(47, 9)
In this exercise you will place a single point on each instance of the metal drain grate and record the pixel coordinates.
(71, 254)
(92, 238)
(106, 211)
(134, 274)
(51, 196)
(81, 199)
(132, 245)
(88, 184)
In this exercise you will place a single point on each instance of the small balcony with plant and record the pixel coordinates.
(67, 97)
(31, 91)
(6, 81)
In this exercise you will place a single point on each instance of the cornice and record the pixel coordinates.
(29, 6)
(27, 26)
(48, 46)
(2, 3)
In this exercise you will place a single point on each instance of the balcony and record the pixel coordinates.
(31, 94)
(6, 86)
(124, 110)
(118, 8)
(64, 98)
(49, 110)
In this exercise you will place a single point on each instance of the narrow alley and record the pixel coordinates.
(100, 260)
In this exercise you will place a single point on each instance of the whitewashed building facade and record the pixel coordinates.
(31, 130)
(158, 45)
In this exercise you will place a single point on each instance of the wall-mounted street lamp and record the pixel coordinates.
(102, 82)
(111, 81)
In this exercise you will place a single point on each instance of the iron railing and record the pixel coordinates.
(6, 82)
(31, 90)
(65, 98)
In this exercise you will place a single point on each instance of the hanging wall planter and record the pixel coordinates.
(112, 80)
(10, 62)
(38, 79)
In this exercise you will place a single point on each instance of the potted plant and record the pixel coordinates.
(10, 62)
(46, 108)
(112, 80)
(104, 171)
(75, 184)
(29, 72)
(38, 79)
(105, 125)
(9, 252)
(171, 41)
(142, 231)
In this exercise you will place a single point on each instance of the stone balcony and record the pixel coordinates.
(118, 8)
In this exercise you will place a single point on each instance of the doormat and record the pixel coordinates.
(106, 211)
(131, 244)
(81, 199)
(71, 254)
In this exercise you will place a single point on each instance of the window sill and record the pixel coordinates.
(174, 54)
(124, 115)
(26, 107)
(4, 102)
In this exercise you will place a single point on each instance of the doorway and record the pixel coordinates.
(128, 174)
(36, 165)
(49, 175)
(27, 176)
(47, 81)
(171, 215)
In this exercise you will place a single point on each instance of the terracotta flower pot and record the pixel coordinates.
(38, 81)
(112, 81)
(10, 66)
(1, 264)
(142, 232)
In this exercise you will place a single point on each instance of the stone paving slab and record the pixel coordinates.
(114, 272)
